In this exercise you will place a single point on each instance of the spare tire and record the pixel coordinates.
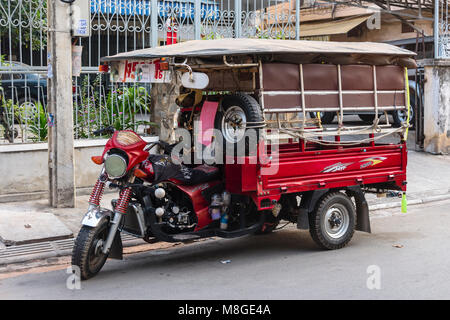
(239, 113)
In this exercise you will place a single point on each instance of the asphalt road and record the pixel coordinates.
(410, 251)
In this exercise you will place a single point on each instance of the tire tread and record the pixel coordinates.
(81, 251)
(315, 227)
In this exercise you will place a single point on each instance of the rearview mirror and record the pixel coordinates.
(195, 80)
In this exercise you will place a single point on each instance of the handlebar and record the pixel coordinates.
(151, 145)
(106, 130)
(163, 145)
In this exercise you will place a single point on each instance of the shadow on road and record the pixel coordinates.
(211, 253)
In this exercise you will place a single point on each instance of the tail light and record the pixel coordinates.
(104, 68)
(163, 64)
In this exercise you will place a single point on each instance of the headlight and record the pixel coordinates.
(115, 166)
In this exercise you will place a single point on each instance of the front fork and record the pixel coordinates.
(120, 209)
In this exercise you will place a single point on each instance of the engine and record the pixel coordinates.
(174, 209)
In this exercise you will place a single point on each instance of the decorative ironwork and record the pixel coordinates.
(117, 26)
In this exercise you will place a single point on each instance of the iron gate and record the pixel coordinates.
(117, 26)
(23, 63)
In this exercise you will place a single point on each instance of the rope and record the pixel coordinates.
(348, 143)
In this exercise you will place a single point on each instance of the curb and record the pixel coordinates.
(397, 204)
(60, 248)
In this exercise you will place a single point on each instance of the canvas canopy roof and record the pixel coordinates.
(209, 48)
(292, 51)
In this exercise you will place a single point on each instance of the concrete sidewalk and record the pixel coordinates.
(428, 180)
(28, 223)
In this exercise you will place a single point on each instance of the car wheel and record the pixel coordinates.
(27, 106)
(325, 117)
(400, 116)
(367, 118)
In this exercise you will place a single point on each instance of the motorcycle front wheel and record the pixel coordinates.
(87, 253)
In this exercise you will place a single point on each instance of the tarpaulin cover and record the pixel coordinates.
(221, 47)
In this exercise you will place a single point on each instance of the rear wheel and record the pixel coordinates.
(332, 223)
(87, 252)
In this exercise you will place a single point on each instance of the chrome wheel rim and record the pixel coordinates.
(28, 108)
(403, 114)
(234, 123)
(96, 255)
(98, 247)
(336, 221)
(28, 104)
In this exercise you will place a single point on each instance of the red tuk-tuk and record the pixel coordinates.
(253, 98)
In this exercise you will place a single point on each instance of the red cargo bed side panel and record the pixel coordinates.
(350, 167)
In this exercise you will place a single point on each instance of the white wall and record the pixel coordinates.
(24, 167)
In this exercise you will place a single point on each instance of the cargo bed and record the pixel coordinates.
(381, 166)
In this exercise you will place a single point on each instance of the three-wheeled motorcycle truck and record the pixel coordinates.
(253, 98)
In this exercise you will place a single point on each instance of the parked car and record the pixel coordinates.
(398, 116)
(22, 85)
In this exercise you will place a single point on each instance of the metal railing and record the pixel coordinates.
(116, 26)
(23, 60)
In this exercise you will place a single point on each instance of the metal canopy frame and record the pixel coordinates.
(316, 134)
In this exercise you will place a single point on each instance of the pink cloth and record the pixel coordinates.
(207, 116)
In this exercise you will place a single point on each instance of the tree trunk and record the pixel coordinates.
(164, 108)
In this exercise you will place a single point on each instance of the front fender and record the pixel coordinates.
(94, 215)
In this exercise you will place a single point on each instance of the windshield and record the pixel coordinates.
(14, 73)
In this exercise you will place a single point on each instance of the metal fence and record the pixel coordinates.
(116, 26)
(23, 35)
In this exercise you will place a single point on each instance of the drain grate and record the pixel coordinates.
(20, 253)
(26, 249)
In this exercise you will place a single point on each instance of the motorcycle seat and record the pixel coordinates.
(165, 169)
(203, 173)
